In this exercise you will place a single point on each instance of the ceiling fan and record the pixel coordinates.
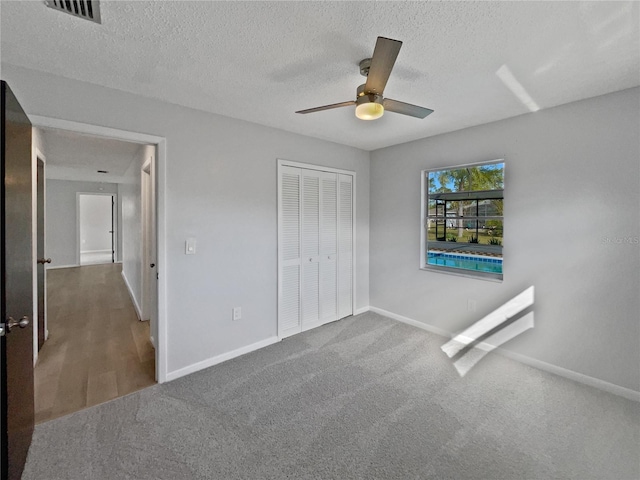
(369, 102)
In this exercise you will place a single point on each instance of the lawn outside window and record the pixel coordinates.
(463, 220)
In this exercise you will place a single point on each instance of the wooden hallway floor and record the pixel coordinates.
(97, 348)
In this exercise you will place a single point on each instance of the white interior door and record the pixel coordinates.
(315, 248)
(153, 253)
(149, 247)
(96, 228)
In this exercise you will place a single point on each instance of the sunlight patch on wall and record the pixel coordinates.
(488, 333)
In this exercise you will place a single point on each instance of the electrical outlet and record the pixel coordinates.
(237, 313)
(471, 305)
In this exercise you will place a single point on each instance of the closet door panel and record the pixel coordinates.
(345, 245)
(310, 248)
(328, 247)
(289, 251)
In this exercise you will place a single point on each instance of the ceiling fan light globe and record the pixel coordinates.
(369, 110)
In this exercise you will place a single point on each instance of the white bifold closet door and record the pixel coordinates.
(315, 245)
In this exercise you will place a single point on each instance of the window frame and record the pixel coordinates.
(424, 222)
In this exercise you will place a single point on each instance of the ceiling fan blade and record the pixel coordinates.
(405, 108)
(327, 107)
(384, 56)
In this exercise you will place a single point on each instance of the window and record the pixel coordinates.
(462, 214)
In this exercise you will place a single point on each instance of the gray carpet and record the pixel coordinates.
(363, 398)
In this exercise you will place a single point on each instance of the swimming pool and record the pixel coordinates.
(476, 263)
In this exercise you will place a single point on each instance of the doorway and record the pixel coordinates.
(98, 349)
(96, 214)
(159, 146)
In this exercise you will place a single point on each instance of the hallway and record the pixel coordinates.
(97, 348)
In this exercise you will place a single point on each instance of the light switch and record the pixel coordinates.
(190, 246)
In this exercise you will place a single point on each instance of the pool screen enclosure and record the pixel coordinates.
(463, 219)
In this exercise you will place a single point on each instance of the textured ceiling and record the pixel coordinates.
(262, 61)
(75, 156)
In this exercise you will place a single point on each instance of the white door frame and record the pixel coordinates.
(114, 224)
(161, 162)
(321, 168)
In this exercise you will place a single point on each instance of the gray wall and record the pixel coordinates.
(61, 228)
(220, 189)
(571, 230)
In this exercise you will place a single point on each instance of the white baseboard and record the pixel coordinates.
(358, 311)
(133, 297)
(411, 321)
(571, 375)
(55, 267)
(94, 251)
(532, 362)
(220, 358)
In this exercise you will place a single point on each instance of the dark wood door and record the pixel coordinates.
(40, 253)
(16, 346)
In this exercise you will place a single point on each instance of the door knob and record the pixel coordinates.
(22, 323)
(44, 260)
(152, 265)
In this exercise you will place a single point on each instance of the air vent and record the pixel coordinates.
(87, 9)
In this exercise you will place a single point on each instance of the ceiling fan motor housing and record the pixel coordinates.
(369, 98)
(361, 92)
(364, 67)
